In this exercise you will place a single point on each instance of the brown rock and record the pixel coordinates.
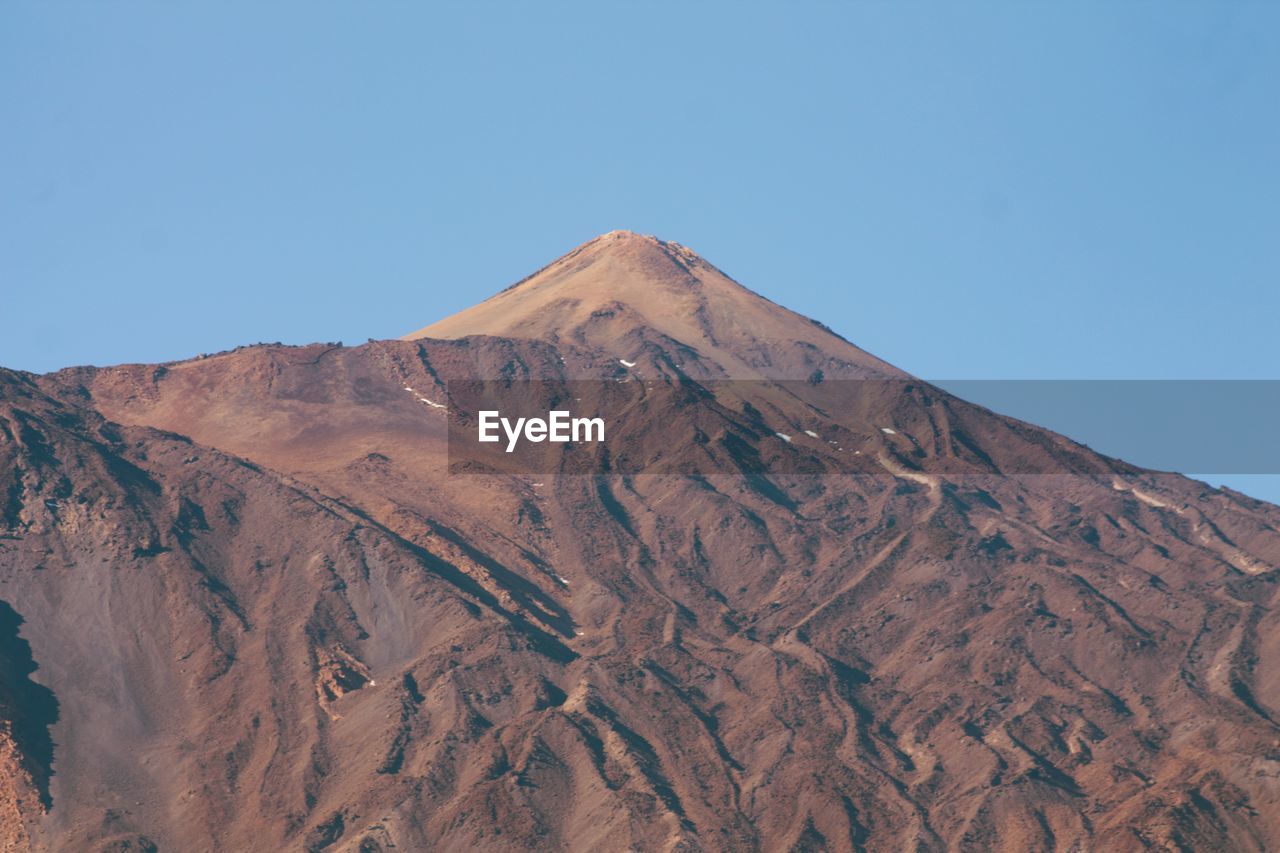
(273, 619)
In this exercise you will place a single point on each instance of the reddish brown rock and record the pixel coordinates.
(271, 618)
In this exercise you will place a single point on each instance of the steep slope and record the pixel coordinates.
(214, 636)
(908, 622)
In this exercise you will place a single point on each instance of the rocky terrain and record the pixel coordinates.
(246, 604)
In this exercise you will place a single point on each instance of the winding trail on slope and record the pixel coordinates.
(934, 484)
(1212, 539)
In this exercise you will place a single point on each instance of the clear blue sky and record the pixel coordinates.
(1024, 190)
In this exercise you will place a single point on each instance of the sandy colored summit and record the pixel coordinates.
(623, 287)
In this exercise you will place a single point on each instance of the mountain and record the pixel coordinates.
(248, 604)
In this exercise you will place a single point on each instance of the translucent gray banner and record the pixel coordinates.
(1224, 426)
(676, 425)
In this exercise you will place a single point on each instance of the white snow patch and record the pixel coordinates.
(783, 436)
(557, 577)
(887, 431)
(811, 434)
(626, 363)
(422, 399)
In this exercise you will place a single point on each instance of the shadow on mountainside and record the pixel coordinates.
(30, 708)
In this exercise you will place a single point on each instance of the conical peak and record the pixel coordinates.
(622, 234)
(622, 237)
(644, 253)
(654, 283)
(624, 286)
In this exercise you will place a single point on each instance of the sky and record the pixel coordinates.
(1002, 190)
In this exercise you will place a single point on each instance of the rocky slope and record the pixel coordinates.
(266, 613)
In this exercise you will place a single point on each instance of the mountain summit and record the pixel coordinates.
(624, 288)
(244, 604)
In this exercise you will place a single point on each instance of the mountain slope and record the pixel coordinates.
(922, 625)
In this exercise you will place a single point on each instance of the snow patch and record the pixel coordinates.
(422, 399)
(887, 431)
(626, 363)
(783, 436)
(811, 434)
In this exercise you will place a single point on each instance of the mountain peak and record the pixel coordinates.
(623, 234)
(624, 288)
(621, 239)
(644, 256)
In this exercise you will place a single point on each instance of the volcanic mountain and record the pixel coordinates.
(247, 604)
